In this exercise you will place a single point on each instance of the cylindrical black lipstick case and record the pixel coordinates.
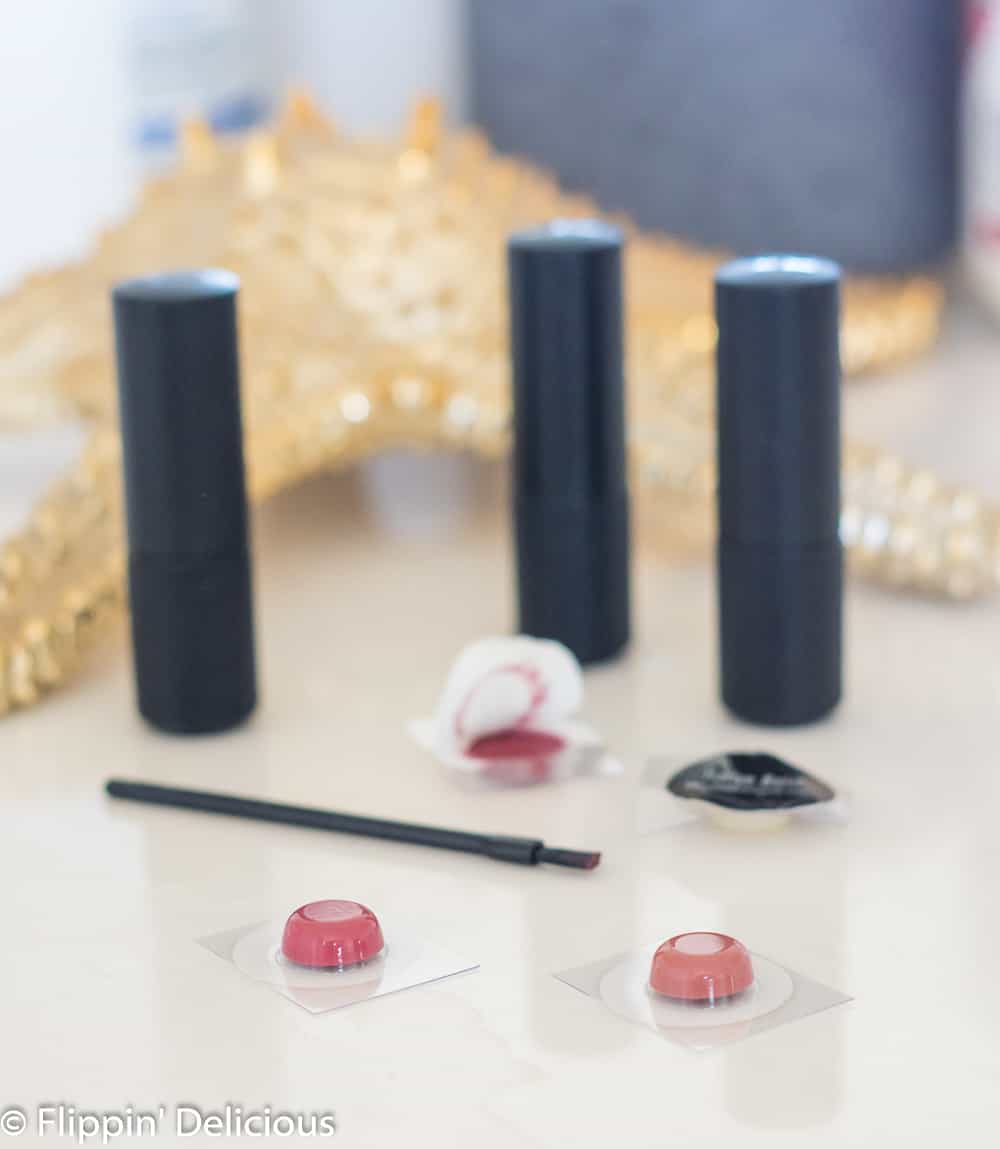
(779, 554)
(570, 492)
(185, 495)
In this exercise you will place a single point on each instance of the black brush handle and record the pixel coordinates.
(523, 851)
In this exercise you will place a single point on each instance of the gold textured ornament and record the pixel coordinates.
(372, 313)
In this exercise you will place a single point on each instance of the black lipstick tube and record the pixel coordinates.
(779, 552)
(570, 492)
(185, 496)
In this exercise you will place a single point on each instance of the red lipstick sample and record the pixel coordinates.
(701, 967)
(516, 743)
(332, 934)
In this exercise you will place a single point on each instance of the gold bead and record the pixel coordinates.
(38, 639)
(21, 684)
(355, 407)
(410, 392)
(6, 701)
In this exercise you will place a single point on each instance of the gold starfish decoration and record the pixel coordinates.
(372, 313)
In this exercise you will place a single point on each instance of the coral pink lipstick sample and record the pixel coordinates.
(701, 967)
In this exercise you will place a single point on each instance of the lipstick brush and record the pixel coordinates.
(523, 851)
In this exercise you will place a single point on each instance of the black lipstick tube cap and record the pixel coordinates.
(185, 498)
(570, 491)
(779, 553)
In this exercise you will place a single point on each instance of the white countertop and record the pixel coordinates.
(107, 1000)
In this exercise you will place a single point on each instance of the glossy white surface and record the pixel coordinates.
(107, 999)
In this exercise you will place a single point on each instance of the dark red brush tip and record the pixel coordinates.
(575, 859)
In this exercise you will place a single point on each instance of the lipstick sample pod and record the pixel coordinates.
(185, 496)
(332, 934)
(701, 967)
(749, 791)
(570, 494)
(779, 553)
